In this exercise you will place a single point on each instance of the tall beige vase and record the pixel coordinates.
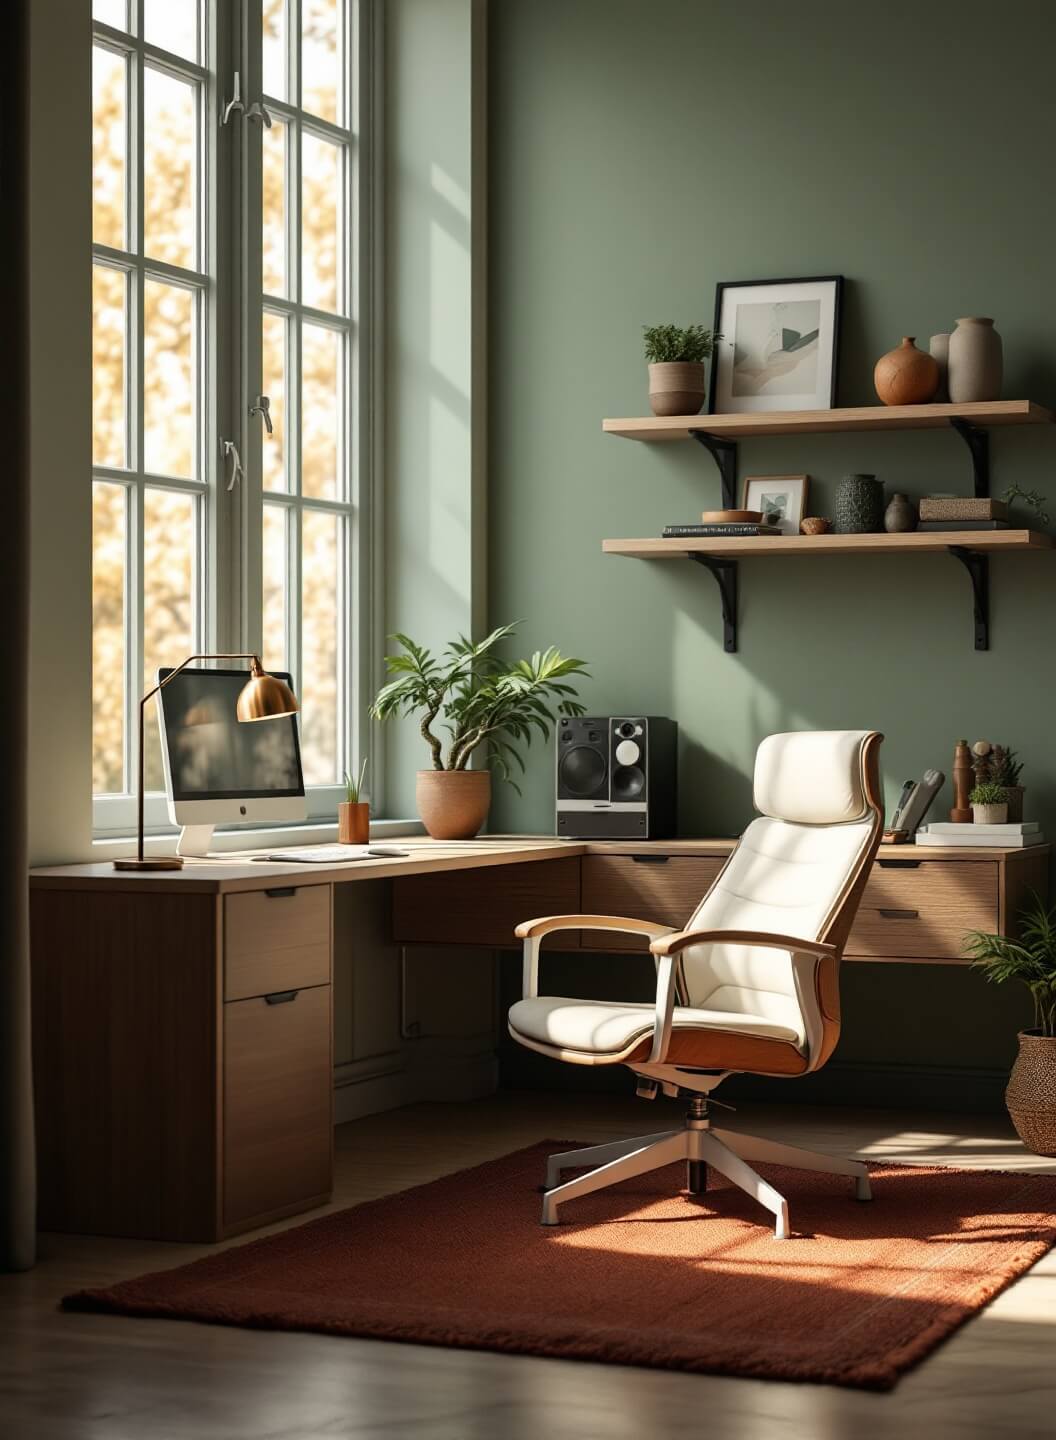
(976, 361)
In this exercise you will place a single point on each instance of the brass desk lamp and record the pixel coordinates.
(263, 697)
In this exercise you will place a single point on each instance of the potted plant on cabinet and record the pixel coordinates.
(353, 813)
(1005, 771)
(989, 803)
(676, 367)
(1031, 1092)
(483, 702)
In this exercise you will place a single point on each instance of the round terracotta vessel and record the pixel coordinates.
(1031, 1093)
(906, 375)
(676, 387)
(453, 804)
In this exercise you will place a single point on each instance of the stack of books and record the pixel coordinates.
(697, 532)
(1017, 835)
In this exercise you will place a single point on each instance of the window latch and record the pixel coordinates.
(262, 407)
(257, 112)
(235, 103)
(229, 451)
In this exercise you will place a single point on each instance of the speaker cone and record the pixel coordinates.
(582, 770)
(628, 782)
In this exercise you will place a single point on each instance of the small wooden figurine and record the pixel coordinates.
(961, 812)
(982, 761)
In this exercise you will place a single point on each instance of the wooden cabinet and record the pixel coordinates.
(924, 912)
(183, 1058)
(482, 906)
(650, 886)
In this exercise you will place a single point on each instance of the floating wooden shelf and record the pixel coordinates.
(816, 422)
(742, 545)
(719, 434)
(719, 555)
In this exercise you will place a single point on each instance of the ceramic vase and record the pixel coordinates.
(677, 387)
(906, 375)
(900, 515)
(939, 348)
(453, 804)
(976, 361)
(1031, 1092)
(859, 508)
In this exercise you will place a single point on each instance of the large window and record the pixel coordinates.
(224, 325)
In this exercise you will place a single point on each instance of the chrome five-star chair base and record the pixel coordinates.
(699, 1146)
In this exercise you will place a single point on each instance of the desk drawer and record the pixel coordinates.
(482, 906)
(278, 1088)
(667, 891)
(276, 940)
(925, 912)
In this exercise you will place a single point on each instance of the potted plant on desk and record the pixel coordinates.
(353, 813)
(1031, 1092)
(482, 701)
(989, 804)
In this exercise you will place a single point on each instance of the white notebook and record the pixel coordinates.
(1016, 827)
(965, 842)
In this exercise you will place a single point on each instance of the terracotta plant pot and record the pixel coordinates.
(1031, 1092)
(990, 814)
(453, 804)
(353, 823)
(676, 387)
(906, 375)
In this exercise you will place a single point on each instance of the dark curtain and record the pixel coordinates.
(17, 1187)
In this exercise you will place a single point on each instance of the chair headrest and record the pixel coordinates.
(814, 777)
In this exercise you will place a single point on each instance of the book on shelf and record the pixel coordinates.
(1010, 827)
(695, 532)
(936, 525)
(966, 842)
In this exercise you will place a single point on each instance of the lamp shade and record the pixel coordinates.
(265, 697)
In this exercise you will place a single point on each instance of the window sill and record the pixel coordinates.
(227, 842)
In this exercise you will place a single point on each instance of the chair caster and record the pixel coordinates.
(696, 1176)
(862, 1189)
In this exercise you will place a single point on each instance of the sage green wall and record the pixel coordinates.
(640, 153)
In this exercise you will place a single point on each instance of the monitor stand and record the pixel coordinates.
(194, 841)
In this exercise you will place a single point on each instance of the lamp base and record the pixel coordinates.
(156, 862)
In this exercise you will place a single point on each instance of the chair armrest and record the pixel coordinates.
(532, 932)
(529, 929)
(676, 942)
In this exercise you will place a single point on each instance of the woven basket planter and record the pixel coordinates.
(1031, 1092)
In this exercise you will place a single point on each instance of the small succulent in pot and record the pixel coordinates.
(989, 802)
(676, 367)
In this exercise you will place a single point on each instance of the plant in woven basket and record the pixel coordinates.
(1031, 959)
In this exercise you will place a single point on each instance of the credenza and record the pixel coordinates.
(182, 1020)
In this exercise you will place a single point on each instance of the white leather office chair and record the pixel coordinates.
(751, 984)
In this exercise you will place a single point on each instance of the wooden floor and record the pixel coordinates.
(105, 1378)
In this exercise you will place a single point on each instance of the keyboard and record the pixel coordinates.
(335, 854)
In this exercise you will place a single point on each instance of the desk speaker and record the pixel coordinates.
(616, 777)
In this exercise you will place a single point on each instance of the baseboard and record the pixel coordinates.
(467, 1078)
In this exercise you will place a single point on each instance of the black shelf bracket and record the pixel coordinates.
(978, 442)
(978, 567)
(725, 573)
(724, 453)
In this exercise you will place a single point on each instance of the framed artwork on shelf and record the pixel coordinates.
(780, 498)
(779, 345)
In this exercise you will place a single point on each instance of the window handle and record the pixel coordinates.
(257, 111)
(262, 407)
(229, 451)
(235, 103)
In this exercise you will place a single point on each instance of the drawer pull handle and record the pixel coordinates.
(899, 864)
(650, 859)
(281, 892)
(899, 914)
(281, 997)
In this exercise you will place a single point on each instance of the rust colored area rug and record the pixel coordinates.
(643, 1274)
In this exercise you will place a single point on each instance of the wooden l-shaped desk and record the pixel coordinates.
(183, 1019)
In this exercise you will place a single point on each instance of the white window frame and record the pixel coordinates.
(229, 602)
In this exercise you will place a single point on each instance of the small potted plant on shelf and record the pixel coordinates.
(676, 367)
(1031, 1092)
(353, 813)
(1005, 771)
(484, 702)
(1034, 501)
(989, 804)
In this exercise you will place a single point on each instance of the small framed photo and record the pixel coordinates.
(779, 346)
(781, 498)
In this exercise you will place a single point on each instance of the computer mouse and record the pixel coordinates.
(382, 852)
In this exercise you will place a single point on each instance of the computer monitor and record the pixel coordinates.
(219, 769)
